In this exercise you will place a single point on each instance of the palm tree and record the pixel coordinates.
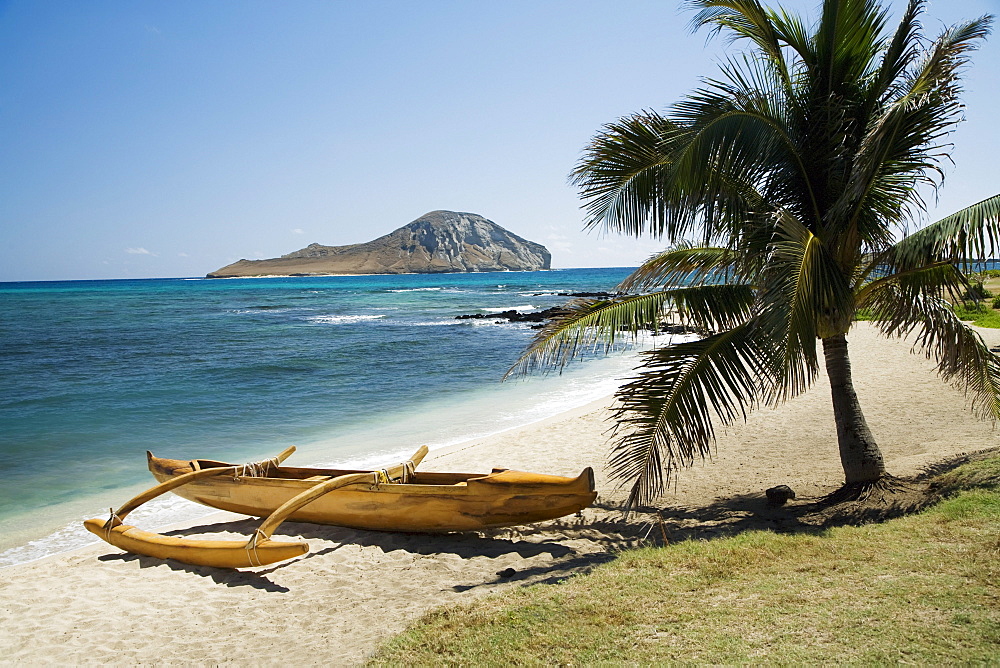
(782, 187)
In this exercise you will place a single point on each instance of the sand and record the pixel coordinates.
(357, 588)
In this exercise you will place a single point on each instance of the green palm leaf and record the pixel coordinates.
(666, 413)
(591, 324)
(685, 264)
(807, 296)
(961, 355)
(586, 324)
(973, 232)
(782, 185)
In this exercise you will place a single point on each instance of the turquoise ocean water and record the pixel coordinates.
(351, 369)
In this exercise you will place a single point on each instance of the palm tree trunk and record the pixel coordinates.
(859, 454)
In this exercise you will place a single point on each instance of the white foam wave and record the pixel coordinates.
(482, 413)
(436, 323)
(343, 319)
(522, 307)
(490, 322)
(417, 290)
(259, 311)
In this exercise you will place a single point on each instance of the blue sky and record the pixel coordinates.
(144, 139)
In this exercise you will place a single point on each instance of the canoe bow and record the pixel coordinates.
(260, 550)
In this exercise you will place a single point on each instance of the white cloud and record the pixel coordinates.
(183, 254)
(139, 251)
(298, 230)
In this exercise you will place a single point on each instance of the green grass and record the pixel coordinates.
(981, 315)
(923, 588)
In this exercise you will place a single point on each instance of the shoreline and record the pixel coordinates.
(356, 588)
(437, 459)
(193, 514)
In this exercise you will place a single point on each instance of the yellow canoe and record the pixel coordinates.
(396, 498)
(424, 502)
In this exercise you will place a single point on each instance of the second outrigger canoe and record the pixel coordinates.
(397, 498)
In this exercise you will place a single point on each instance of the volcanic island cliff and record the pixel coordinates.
(437, 242)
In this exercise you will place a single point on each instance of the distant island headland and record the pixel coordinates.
(436, 242)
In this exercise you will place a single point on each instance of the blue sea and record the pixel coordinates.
(353, 370)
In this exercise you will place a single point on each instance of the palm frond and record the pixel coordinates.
(941, 67)
(713, 307)
(807, 296)
(900, 52)
(738, 134)
(904, 143)
(622, 175)
(846, 41)
(665, 415)
(588, 323)
(744, 19)
(961, 355)
(683, 264)
(934, 280)
(973, 232)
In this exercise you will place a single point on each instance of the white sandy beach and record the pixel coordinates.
(356, 588)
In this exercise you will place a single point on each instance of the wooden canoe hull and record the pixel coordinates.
(431, 502)
(216, 553)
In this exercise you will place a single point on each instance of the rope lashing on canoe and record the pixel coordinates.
(260, 549)
(251, 547)
(112, 522)
(256, 469)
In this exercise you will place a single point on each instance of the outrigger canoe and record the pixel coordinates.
(397, 498)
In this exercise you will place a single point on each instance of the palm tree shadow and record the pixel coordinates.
(605, 527)
(741, 513)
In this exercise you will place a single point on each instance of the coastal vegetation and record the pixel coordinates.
(980, 315)
(781, 187)
(915, 589)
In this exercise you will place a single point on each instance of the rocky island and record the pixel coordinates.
(437, 242)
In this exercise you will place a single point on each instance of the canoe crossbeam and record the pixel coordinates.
(259, 550)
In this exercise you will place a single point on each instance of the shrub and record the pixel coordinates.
(976, 292)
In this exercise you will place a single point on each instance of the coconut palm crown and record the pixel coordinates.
(782, 188)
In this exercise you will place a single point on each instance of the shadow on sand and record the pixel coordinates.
(575, 544)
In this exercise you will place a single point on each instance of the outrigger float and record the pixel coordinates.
(397, 498)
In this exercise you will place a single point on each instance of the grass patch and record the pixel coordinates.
(981, 315)
(923, 588)
(978, 473)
